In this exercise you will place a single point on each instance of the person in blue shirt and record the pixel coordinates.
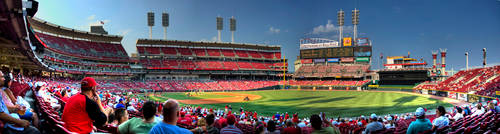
(277, 116)
(421, 124)
(170, 116)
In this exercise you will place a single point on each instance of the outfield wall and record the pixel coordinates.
(472, 98)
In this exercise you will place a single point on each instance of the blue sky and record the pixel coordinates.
(394, 26)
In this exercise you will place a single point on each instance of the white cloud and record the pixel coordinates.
(124, 32)
(213, 39)
(91, 17)
(274, 30)
(329, 27)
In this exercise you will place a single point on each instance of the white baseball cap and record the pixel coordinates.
(419, 112)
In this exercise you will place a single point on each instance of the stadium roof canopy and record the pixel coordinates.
(15, 50)
(45, 26)
(206, 44)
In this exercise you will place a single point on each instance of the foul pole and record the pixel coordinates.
(284, 71)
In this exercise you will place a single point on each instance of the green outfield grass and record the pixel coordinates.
(333, 103)
(183, 96)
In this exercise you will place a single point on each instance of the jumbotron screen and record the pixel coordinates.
(336, 52)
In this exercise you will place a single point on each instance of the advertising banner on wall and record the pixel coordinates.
(319, 60)
(425, 91)
(333, 59)
(462, 97)
(319, 45)
(350, 59)
(452, 95)
(306, 61)
(363, 42)
(347, 41)
(362, 59)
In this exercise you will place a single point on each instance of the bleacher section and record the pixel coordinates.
(206, 65)
(208, 52)
(86, 49)
(332, 70)
(327, 83)
(480, 81)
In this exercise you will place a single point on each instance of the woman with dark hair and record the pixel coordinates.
(459, 114)
(140, 125)
(259, 128)
(441, 120)
(271, 128)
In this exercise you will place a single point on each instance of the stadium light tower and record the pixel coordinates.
(484, 57)
(164, 23)
(340, 22)
(232, 27)
(219, 27)
(355, 22)
(151, 23)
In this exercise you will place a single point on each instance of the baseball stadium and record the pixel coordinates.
(60, 78)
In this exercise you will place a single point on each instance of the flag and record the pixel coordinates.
(102, 22)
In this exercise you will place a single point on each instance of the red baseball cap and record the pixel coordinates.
(88, 82)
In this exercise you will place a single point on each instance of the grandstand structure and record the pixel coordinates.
(209, 60)
(328, 59)
(403, 70)
(78, 52)
(466, 84)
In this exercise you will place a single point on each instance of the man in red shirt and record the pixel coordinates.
(84, 109)
(295, 118)
(186, 120)
(255, 115)
(286, 116)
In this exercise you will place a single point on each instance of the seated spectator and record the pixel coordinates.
(441, 120)
(374, 125)
(14, 125)
(291, 128)
(390, 123)
(230, 128)
(317, 123)
(479, 110)
(170, 116)
(271, 128)
(259, 128)
(459, 114)
(421, 124)
(11, 104)
(497, 108)
(210, 125)
(85, 109)
(200, 126)
(186, 120)
(140, 125)
(121, 115)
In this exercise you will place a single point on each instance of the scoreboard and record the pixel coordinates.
(335, 52)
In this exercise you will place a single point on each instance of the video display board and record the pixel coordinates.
(327, 53)
(363, 51)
